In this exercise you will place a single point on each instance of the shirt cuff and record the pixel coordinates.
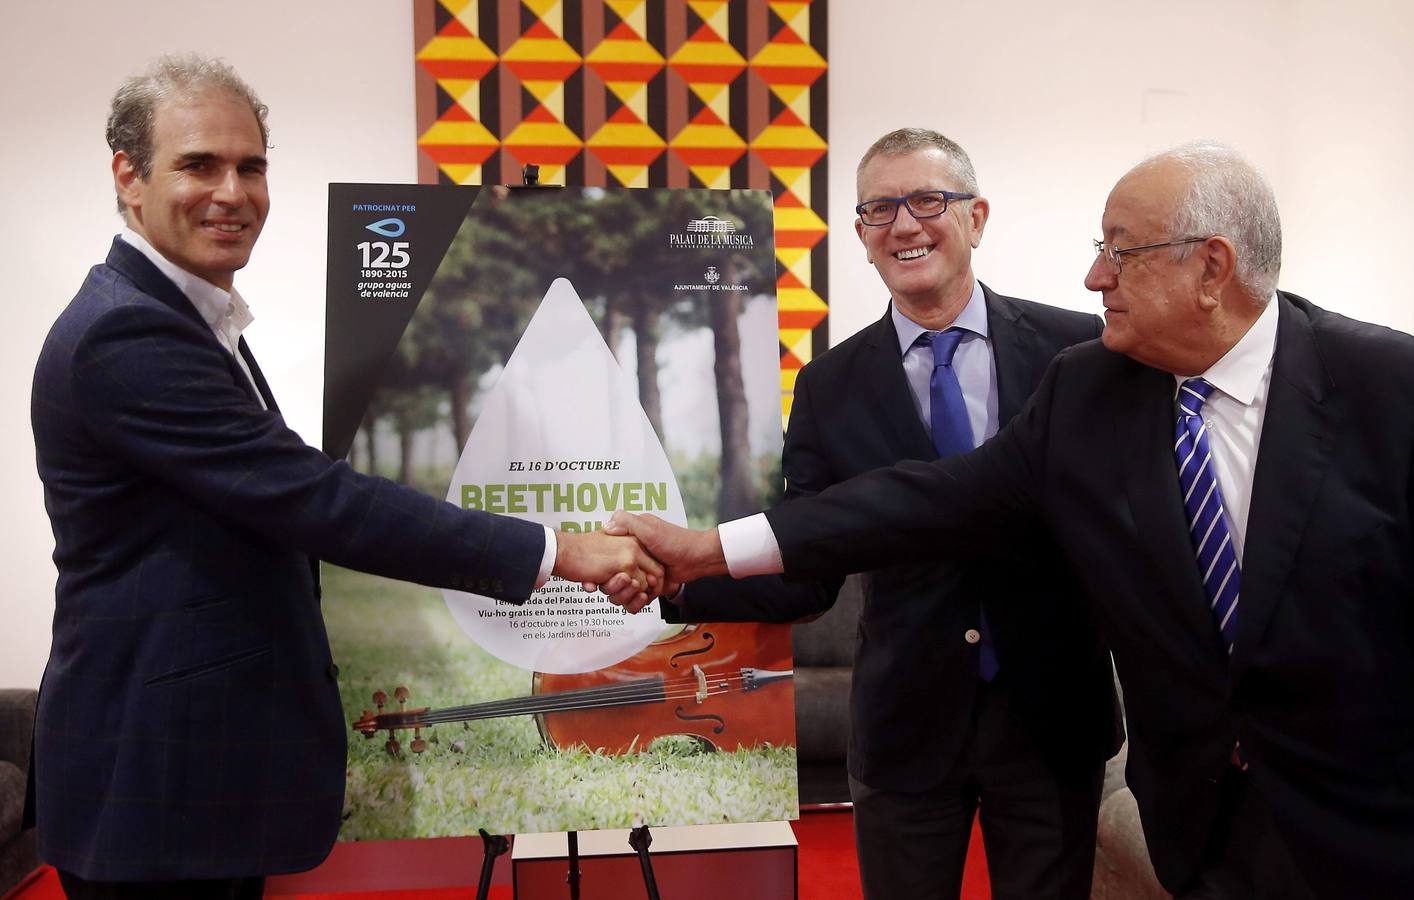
(677, 598)
(547, 562)
(750, 547)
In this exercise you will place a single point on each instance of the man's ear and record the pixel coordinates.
(127, 180)
(859, 227)
(977, 216)
(1219, 269)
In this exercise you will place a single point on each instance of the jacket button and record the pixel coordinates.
(972, 635)
(333, 671)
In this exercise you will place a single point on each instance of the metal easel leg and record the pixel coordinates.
(572, 837)
(639, 839)
(493, 845)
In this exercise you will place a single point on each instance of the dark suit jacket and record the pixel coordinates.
(189, 723)
(915, 675)
(1320, 685)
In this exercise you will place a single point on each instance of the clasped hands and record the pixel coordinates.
(636, 558)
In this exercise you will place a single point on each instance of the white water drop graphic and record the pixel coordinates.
(562, 440)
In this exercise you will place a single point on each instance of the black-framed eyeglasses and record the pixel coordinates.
(1114, 255)
(921, 204)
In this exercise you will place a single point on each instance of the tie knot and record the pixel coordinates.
(1192, 394)
(945, 345)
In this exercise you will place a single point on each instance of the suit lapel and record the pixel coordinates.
(1016, 352)
(260, 383)
(890, 400)
(1142, 416)
(140, 271)
(1298, 434)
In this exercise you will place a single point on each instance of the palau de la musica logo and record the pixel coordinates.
(710, 233)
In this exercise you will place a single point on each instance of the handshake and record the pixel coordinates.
(638, 557)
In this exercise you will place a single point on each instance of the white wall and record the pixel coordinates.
(1053, 102)
(340, 90)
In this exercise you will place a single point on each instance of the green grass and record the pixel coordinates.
(498, 774)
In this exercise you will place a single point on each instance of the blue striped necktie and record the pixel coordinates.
(952, 433)
(1207, 520)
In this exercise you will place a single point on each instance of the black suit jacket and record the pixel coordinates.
(1320, 685)
(189, 723)
(915, 675)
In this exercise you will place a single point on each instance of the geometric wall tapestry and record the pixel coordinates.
(641, 93)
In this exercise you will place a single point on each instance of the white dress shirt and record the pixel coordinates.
(972, 362)
(224, 312)
(749, 545)
(227, 315)
(1234, 414)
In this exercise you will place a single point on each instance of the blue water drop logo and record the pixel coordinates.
(388, 227)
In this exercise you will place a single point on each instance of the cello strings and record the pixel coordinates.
(436, 719)
(629, 693)
(646, 687)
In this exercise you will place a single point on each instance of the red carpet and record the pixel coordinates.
(828, 871)
(44, 885)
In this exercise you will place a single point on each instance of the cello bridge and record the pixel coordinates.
(701, 683)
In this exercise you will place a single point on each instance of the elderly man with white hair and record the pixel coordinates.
(1230, 470)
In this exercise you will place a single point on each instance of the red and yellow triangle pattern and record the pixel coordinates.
(640, 93)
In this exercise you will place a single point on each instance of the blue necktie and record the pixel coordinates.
(1207, 520)
(952, 433)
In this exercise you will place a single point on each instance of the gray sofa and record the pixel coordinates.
(17, 849)
(824, 661)
(1122, 867)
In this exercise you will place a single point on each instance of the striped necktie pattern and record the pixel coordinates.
(1203, 502)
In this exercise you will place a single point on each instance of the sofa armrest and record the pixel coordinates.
(12, 800)
(1122, 867)
(16, 725)
(1114, 772)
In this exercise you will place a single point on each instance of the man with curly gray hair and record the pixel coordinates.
(189, 738)
(134, 107)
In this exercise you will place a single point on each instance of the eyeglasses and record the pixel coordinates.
(1113, 254)
(921, 204)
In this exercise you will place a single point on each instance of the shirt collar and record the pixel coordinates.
(213, 303)
(1240, 372)
(972, 318)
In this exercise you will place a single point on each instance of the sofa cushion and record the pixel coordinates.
(822, 713)
(16, 724)
(12, 799)
(829, 640)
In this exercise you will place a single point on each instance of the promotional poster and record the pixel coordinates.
(555, 354)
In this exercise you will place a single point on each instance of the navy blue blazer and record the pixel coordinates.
(189, 723)
(915, 675)
(1319, 688)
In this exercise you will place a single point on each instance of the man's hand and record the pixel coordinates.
(614, 564)
(688, 554)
